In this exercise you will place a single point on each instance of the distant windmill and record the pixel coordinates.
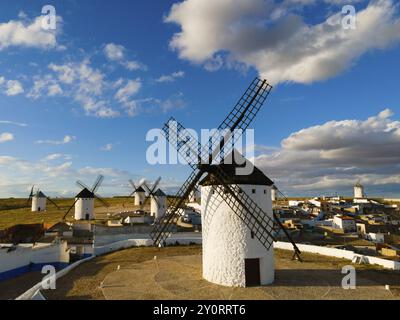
(158, 199)
(39, 200)
(84, 200)
(241, 252)
(138, 192)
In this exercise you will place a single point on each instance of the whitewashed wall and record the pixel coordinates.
(24, 255)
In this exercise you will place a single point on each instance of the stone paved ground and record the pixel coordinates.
(176, 274)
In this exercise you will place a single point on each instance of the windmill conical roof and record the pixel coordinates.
(85, 193)
(159, 193)
(140, 189)
(40, 194)
(257, 177)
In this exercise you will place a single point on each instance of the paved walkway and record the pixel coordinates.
(180, 278)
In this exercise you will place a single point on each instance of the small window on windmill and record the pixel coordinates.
(253, 191)
(265, 191)
(252, 234)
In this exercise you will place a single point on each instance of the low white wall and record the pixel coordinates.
(338, 253)
(31, 292)
(39, 254)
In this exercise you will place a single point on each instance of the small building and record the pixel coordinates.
(347, 224)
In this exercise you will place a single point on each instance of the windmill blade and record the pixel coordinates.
(146, 187)
(163, 227)
(82, 185)
(55, 204)
(98, 183)
(155, 185)
(133, 185)
(76, 200)
(239, 118)
(102, 200)
(31, 194)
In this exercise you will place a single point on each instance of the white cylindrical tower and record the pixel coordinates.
(140, 196)
(274, 191)
(359, 191)
(232, 255)
(158, 208)
(84, 206)
(194, 196)
(39, 201)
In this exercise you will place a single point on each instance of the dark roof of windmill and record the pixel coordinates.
(257, 177)
(358, 184)
(85, 193)
(159, 193)
(140, 189)
(40, 194)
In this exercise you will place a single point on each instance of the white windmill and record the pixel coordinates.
(274, 191)
(84, 200)
(359, 191)
(138, 192)
(238, 225)
(158, 200)
(39, 200)
(195, 196)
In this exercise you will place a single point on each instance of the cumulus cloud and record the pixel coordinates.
(28, 33)
(6, 137)
(67, 139)
(274, 38)
(171, 77)
(117, 53)
(126, 92)
(11, 87)
(336, 154)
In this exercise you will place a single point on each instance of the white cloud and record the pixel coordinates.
(126, 92)
(67, 139)
(107, 148)
(171, 77)
(276, 40)
(6, 137)
(19, 124)
(336, 154)
(11, 87)
(56, 156)
(117, 53)
(29, 34)
(114, 52)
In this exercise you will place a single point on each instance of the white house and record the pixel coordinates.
(39, 202)
(344, 223)
(232, 255)
(84, 206)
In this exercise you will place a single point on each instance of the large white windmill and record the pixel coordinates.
(84, 200)
(359, 191)
(237, 219)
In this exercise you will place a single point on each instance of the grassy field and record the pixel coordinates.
(17, 211)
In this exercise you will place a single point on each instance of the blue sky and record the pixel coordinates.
(133, 64)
